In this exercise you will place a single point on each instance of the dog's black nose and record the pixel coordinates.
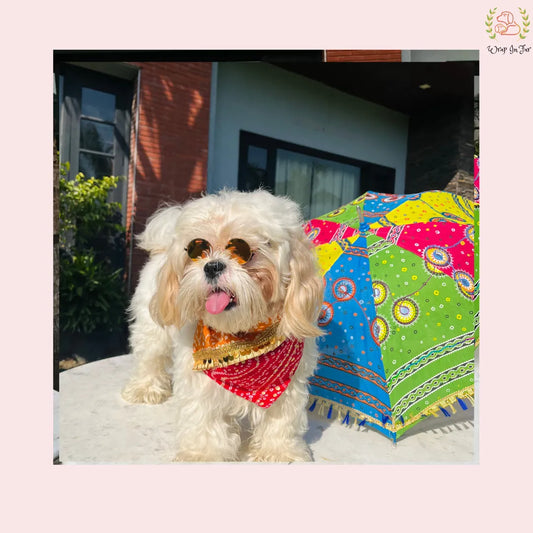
(213, 269)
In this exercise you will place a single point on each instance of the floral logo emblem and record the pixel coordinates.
(507, 24)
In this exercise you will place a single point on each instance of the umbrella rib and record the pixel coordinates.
(420, 288)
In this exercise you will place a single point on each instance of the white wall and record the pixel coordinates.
(440, 55)
(270, 101)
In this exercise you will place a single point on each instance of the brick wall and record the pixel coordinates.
(168, 160)
(364, 55)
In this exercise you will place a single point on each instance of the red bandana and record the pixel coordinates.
(258, 370)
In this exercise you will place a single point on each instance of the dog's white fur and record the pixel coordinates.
(281, 279)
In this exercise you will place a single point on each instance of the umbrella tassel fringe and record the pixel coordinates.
(313, 405)
(463, 405)
(447, 405)
(321, 406)
(344, 415)
(354, 419)
(442, 408)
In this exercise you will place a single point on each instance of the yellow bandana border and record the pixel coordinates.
(237, 351)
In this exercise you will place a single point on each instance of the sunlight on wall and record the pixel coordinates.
(195, 107)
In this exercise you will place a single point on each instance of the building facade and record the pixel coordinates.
(321, 128)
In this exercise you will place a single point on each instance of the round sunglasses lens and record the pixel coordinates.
(198, 248)
(239, 250)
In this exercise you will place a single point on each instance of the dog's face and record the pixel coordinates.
(233, 260)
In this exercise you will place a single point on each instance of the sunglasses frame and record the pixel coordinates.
(232, 246)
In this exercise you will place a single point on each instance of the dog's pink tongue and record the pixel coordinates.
(217, 302)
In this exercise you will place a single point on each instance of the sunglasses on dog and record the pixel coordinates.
(239, 250)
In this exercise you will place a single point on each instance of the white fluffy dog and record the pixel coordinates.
(224, 317)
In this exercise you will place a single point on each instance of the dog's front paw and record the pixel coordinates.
(151, 390)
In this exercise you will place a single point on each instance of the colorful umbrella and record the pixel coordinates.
(400, 313)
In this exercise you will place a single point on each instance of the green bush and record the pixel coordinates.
(92, 293)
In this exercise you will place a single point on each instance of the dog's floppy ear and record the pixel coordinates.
(305, 290)
(163, 306)
(160, 229)
(157, 238)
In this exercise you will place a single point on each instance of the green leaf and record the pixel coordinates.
(92, 291)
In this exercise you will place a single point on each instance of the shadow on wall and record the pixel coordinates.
(172, 144)
(173, 129)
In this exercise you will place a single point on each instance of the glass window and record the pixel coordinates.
(93, 165)
(257, 157)
(318, 185)
(254, 171)
(319, 181)
(94, 127)
(96, 136)
(98, 104)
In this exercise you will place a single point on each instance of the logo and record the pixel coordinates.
(506, 25)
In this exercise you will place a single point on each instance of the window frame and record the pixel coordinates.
(72, 79)
(247, 138)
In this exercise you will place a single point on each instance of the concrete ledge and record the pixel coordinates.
(97, 427)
